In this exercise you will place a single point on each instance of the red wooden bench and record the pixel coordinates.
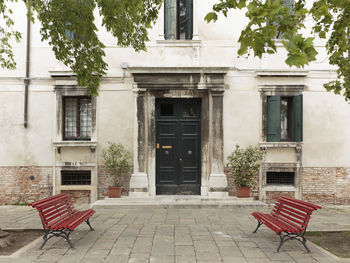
(59, 217)
(288, 219)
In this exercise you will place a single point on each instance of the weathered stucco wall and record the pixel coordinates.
(325, 147)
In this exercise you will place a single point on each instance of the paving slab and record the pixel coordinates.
(172, 234)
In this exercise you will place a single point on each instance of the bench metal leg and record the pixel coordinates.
(256, 229)
(303, 241)
(67, 238)
(56, 233)
(44, 240)
(88, 222)
(288, 236)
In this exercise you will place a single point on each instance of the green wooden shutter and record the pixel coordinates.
(170, 19)
(189, 19)
(273, 133)
(298, 118)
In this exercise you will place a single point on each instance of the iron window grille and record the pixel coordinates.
(75, 177)
(77, 118)
(280, 178)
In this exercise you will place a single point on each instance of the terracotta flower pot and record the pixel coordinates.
(243, 191)
(114, 191)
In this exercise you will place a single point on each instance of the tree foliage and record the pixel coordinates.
(70, 28)
(130, 20)
(271, 17)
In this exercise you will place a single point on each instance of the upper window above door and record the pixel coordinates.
(178, 19)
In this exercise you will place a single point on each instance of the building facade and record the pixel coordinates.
(179, 108)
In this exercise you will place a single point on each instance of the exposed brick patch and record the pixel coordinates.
(16, 187)
(104, 180)
(79, 196)
(326, 185)
(232, 189)
(272, 196)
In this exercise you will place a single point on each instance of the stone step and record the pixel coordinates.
(179, 201)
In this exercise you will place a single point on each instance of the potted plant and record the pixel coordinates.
(117, 161)
(245, 163)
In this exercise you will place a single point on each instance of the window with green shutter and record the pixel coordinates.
(178, 19)
(284, 118)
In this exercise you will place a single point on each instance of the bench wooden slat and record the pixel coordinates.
(315, 207)
(49, 203)
(55, 209)
(276, 225)
(292, 216)
(302, 207)
(296, 213)
(289, 220)
(57, 218)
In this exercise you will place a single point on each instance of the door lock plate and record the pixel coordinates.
(167, 147)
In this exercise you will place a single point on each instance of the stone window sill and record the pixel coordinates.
(265, 145)
(280, 188)
(179, 43)
(91, 144)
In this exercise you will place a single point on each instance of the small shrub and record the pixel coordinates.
(245, 163)
(117, 161)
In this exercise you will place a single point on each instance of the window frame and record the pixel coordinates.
(78, 131)
(189, 25)
(282, 91)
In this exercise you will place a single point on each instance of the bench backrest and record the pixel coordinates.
(53, 209)
(294, 212)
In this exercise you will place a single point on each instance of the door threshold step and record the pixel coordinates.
(179, 201)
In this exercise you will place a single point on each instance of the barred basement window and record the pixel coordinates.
(76, 177)
(77, 118)
(280, 178)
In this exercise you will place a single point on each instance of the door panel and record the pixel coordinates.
(178, 146)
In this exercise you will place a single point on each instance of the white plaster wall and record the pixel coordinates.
(31, 146)
(115, 117)
(326, 116)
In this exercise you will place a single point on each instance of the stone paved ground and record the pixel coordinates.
(149, 234)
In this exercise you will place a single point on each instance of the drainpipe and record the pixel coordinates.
(26, 79)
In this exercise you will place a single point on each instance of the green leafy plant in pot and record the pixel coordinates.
(117, 162)
(245, 163)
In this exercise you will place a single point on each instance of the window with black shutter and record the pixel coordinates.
(178, 19)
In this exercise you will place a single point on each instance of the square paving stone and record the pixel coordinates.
(185, 259)
(116, 259)
(234, 260)
(208, 246)
(252, 252)
(184, 250)
(167, 259)
(120, 251)
(208, 256)
(230, 252)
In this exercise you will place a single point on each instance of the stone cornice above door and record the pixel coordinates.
(179, 77)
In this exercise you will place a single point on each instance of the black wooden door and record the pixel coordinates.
(178, 138)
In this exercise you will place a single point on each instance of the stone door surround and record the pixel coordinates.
(188, 82)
